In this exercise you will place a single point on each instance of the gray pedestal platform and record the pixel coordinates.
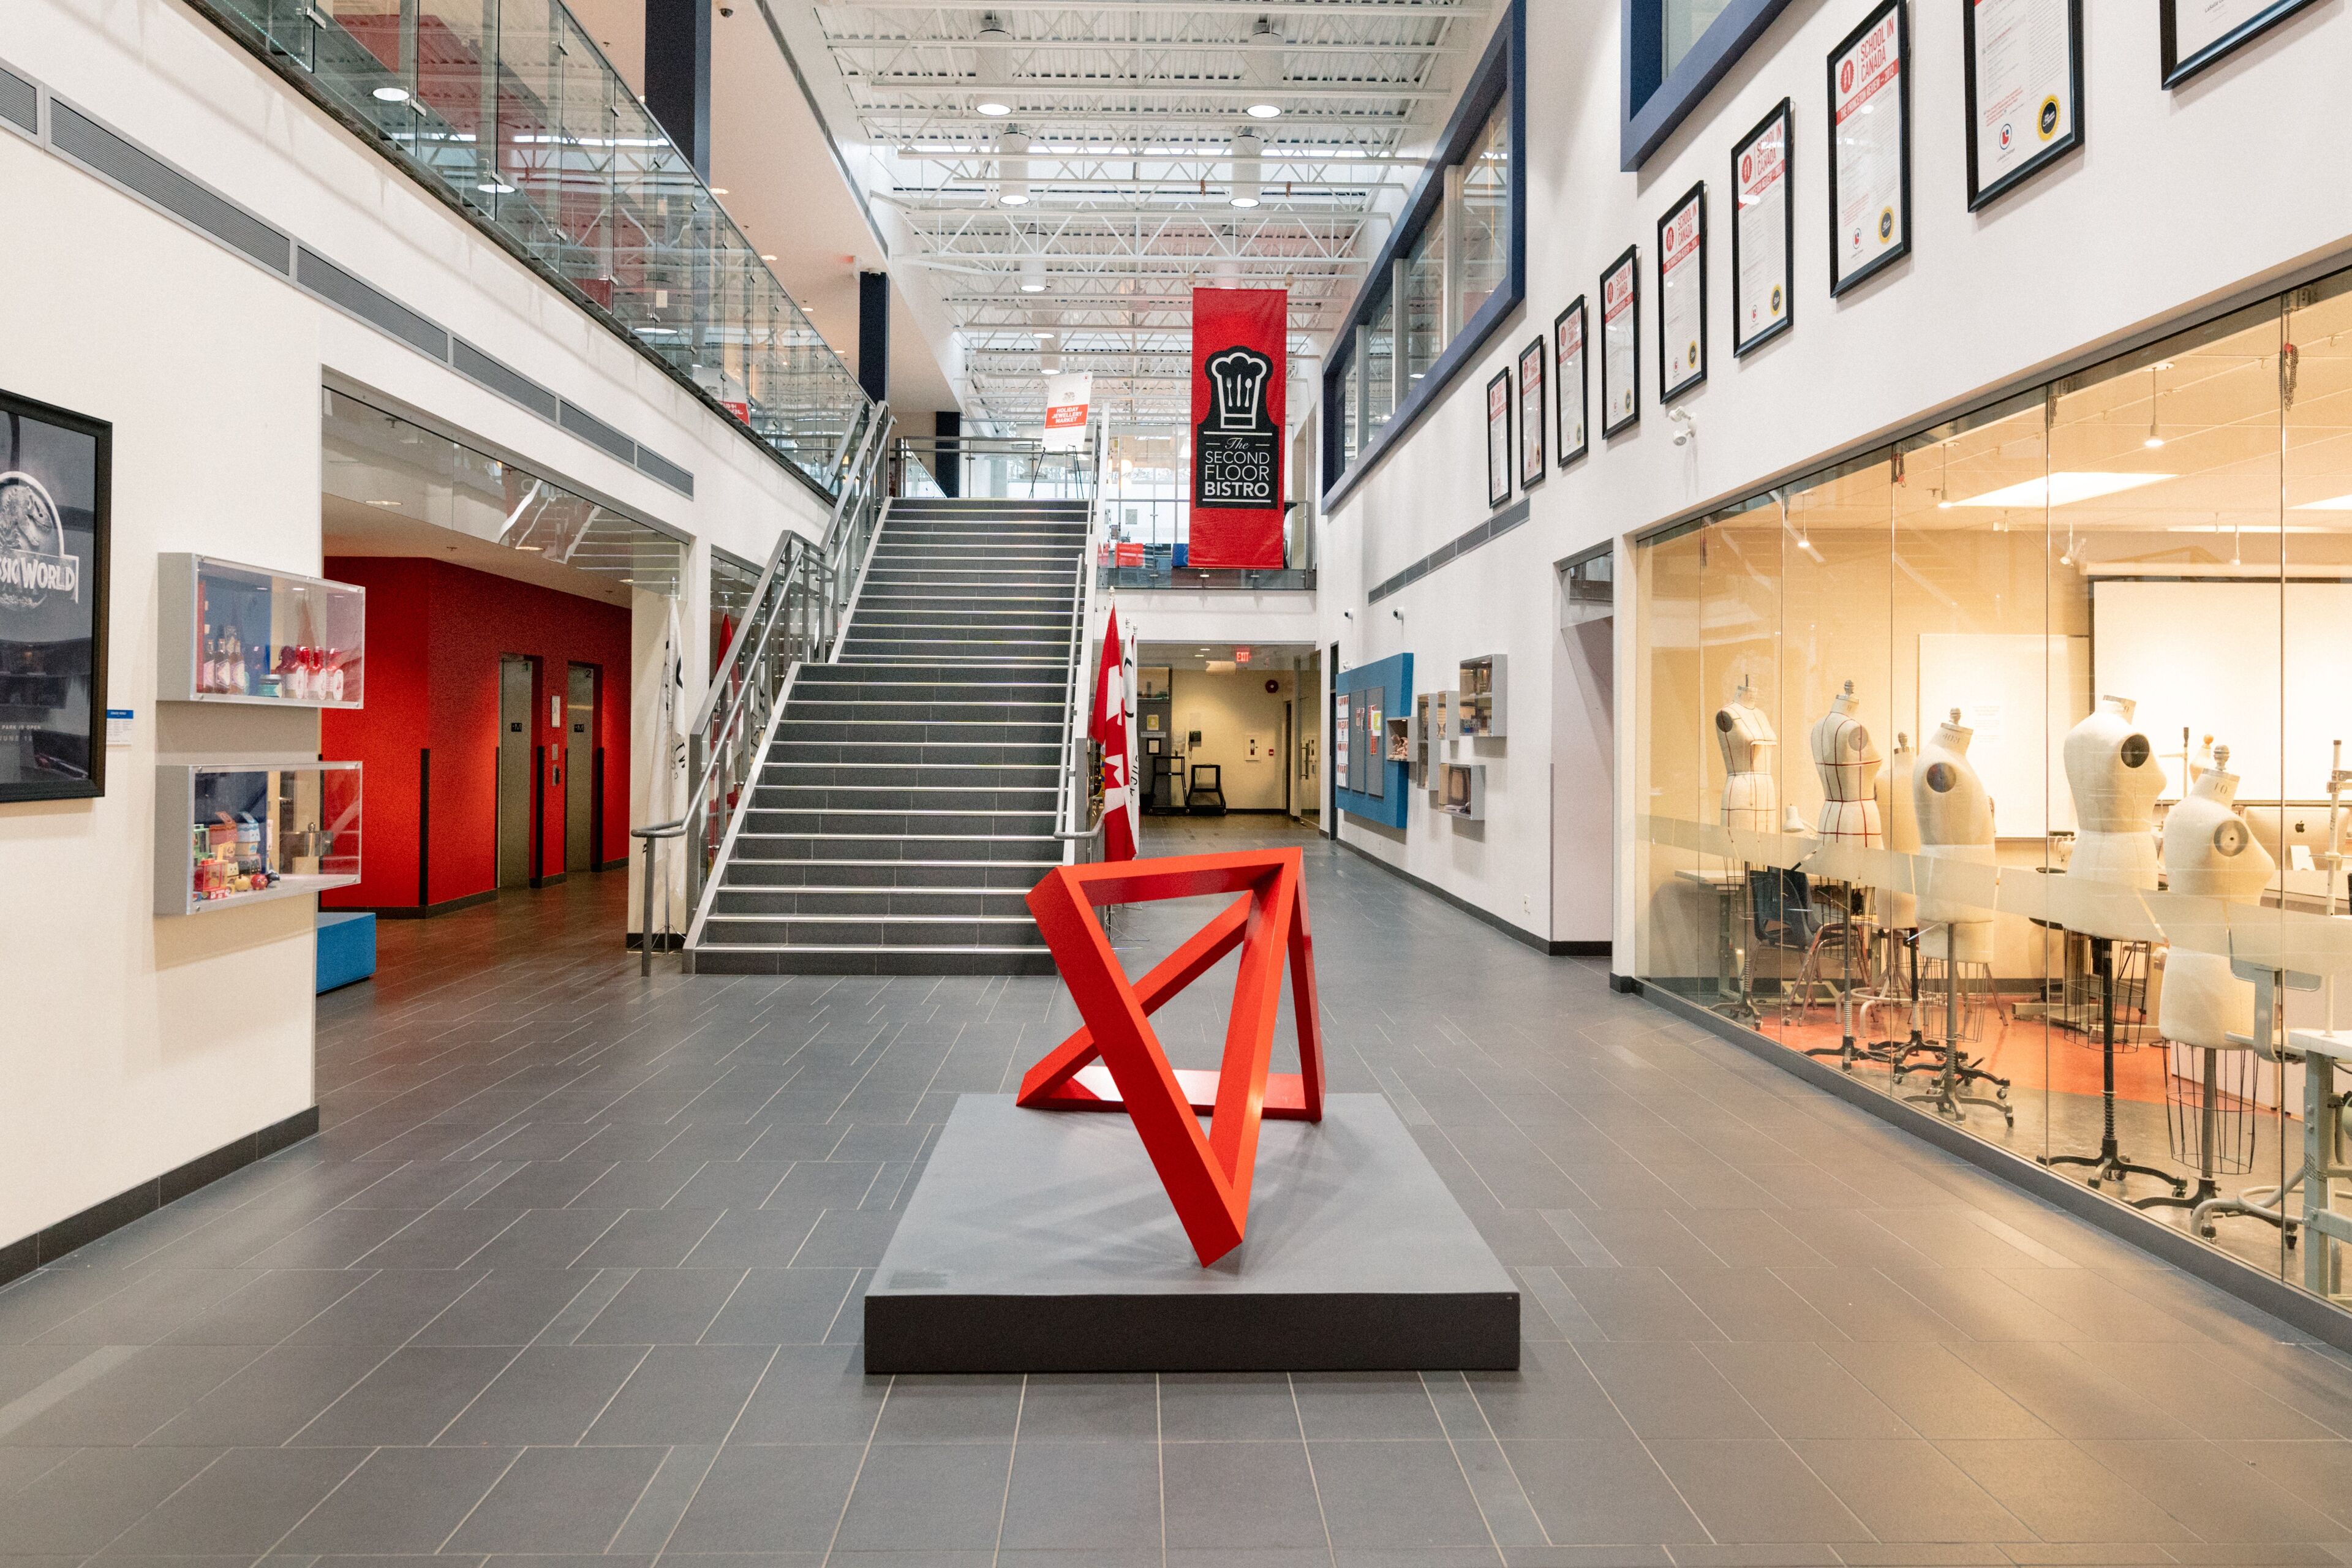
(1042, 1241)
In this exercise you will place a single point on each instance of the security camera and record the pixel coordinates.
(1681, 416)
(1398, 613)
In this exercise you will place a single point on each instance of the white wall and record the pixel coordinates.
(2177, 200)
(1231, 708)
(133, 1043)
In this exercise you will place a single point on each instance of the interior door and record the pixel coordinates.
(514, 770)
(580, 770)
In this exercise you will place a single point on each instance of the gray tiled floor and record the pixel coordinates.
(573, 1272)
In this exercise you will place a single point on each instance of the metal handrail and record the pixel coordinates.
(796, 610)
(1081, 824)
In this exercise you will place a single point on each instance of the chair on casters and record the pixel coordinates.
(1786, 920)
(1205, 798)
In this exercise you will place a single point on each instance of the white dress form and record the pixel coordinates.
(2209, 852)
(1848, 762)
(1751, 796)
(2114, 775)
(1955, 824)
(1901, 824)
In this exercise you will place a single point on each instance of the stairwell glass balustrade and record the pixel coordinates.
(508, 108)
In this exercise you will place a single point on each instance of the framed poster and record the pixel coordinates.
(2196, 33)
(56, 474)
(1620, 343)
(1870, 146)
(2022, 78)
(1682, 294)
(1567, 355)
(1498, 438)
(1532, 404)
(1341, 754)
(1763, 236)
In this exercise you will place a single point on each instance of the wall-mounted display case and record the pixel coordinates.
(231, 833)
(1481, 705)
(229, 633)
(1400, 748)
(1462, 790)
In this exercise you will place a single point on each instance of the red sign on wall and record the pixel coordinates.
(1240, 368)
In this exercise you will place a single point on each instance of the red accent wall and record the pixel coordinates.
(435, 635)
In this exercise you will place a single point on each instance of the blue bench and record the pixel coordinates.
(346, 948)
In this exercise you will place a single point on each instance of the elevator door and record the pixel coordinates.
(580, 771)
(514, 772)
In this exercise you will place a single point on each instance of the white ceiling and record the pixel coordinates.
(1131, 108)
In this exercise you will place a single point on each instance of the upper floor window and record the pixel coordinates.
(1674, 52)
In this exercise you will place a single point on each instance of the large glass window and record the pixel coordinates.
(1484, 212)
(1424, 324)
(2002, 769)
(1379, 368)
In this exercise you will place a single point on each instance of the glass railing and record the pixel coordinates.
(508, 107)
(1147, 543)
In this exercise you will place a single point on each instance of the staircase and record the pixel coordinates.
(909, 792)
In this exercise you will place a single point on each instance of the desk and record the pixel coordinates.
(2324, 1052)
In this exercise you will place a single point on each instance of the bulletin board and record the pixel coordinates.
(1373, 787)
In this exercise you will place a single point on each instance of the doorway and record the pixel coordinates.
(517, 680)
(583, 771)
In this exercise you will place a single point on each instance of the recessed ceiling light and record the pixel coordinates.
(391, 95)
(765, 256)
(2333, 503)
(2062, 490)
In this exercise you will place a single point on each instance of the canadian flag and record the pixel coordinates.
(1107, 725)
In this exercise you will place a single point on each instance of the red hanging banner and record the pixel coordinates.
(1240, 368)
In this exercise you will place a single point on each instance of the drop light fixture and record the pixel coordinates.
(1247, 164)
(1012, 169)
(2062, 489)
(391, 95)
(1262, 70)
(989, 95)
(1032, 275)
(2154, 439)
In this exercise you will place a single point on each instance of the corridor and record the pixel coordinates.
(573, 1271)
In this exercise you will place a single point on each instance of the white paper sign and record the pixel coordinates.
(1067, 397)
(1761, 221)
(1620, 352)
(118, 726)
(1682, 298)
(2198, 25)
(2024, 83)
(1867, 160)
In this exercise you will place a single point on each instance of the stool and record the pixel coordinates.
(1205, 799)
(346, 948)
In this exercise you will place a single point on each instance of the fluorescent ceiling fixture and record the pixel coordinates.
(2333, 503)
(2062, 489)
(392, 95)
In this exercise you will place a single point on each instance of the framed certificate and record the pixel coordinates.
(1620, 343)
(1682, 294)
(1763, 237)
(2023, 87)
(57, 477)
(1532, 403)
(1567, 357)
(2196, 33)
(1870, 146)
(1498, 438)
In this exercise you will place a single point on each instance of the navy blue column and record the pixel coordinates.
(678, 75)
(873, 335)
(948, 425)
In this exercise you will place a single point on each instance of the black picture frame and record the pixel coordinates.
(2173, 70)
(1630, 263)
(1784, 115)
(1532, 442)
(1669, 389)
(28, 586)
(1983, 195)
(1566, 452)
(1902, 248)
(1499, 483)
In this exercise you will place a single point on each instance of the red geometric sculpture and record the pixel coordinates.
(1115, 1062)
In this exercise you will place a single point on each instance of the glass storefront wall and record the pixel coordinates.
(2003, 769)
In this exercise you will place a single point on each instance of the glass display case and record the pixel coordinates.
(2002, 770)
(245, 633)
(1481, 701)
(235, 833)
(1462, 790)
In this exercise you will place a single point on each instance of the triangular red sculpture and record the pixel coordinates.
(1116, 1061)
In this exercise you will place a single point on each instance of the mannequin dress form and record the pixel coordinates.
(2210, 853)
(2113, 772)
(1848, 762)
(1751, 795)
(1955, 824)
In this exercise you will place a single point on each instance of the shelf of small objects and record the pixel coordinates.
(310, 635)
(235, 858)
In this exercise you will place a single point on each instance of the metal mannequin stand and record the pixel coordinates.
(2214, 1131)
(1957, 1071)
(2267, 1041)
(2108, 1163)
